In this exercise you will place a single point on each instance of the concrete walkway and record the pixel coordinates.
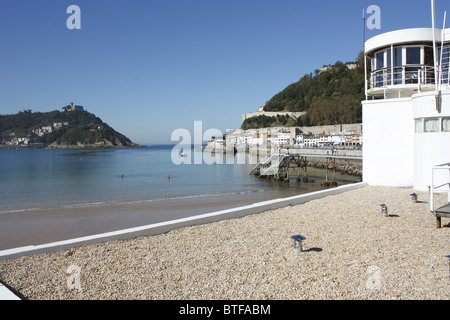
(6, 294)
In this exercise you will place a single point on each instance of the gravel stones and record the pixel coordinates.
(351, 252)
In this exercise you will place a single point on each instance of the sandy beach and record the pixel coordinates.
(352, 252)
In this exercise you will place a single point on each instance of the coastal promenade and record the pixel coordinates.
(58, 229)
(352, 251)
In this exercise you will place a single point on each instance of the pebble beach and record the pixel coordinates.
(351, 252)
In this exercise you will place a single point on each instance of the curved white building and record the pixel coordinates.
(406, 114)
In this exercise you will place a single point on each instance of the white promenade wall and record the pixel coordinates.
(388, 133)
(430, 148)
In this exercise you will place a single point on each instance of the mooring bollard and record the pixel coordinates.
(384, 209)
(298, 243)
(414, 197)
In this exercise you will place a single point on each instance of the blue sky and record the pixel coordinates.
(148, 67)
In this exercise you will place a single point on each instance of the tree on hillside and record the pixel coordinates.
(330, 97)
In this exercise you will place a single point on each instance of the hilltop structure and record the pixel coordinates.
(262, 112)
(72, 107)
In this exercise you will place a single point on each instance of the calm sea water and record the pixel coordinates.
(40, 178)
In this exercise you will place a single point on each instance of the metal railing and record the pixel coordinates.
(445, 63)
(269, 164)
(419, 74)
(438, 188)
(411, 74)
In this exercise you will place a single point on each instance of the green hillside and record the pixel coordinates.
(329, 97)
(60, 129)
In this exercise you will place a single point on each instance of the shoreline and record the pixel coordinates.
(88, 147)
(350, 167)
(48, 230)
(345, 166)
(351, 252)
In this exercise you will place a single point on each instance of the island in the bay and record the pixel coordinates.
(70, 127)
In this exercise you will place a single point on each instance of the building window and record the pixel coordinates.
(429, 56)
(413, 55)
(388, 65)
(402, 65)
(380, 60)
(431, 125)
(398, 57)
(445, 124)
(397, 62)
(412, 58)
(419, 125)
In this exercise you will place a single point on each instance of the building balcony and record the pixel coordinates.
(404, 81)
(402, 63)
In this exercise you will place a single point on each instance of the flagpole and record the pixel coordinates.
(364, 28)
(364, 53)
(434, 45)
(442, 51)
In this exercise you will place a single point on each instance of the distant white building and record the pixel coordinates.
(338, 140)
(280, 138)
(311, 141)
(332, 139)
(254, 141)
(325, 139)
